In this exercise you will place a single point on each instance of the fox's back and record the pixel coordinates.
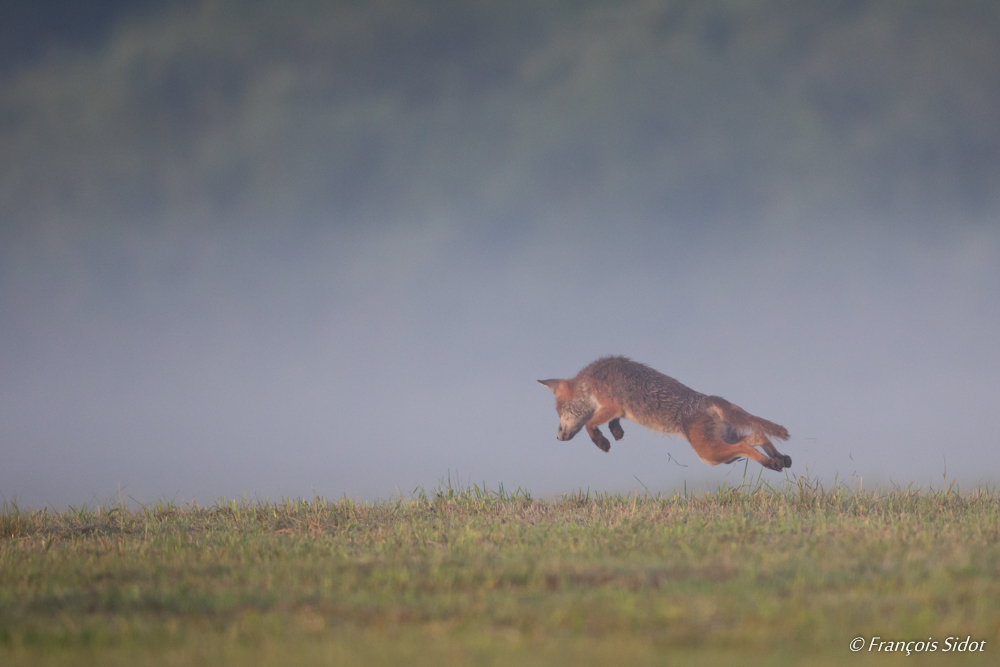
(649, 398)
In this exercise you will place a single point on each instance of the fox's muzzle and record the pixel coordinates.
(566, 433)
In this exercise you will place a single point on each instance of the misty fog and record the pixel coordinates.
(264, 249)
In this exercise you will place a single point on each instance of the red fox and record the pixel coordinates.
(616, 387)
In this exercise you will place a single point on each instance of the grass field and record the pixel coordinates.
(467, 576)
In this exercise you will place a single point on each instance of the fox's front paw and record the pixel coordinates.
(616, 429)
(601, 441)
(787, 460)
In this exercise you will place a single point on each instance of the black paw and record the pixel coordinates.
(616, 429)
(601, 442)
(779, 462)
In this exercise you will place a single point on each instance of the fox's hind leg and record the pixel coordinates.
(771, 450)
(616, 429)
(701, 432)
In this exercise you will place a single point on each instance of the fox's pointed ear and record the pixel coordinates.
(551, 384)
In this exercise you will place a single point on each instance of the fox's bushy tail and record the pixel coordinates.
(741, 419)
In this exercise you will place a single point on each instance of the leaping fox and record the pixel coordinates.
(616, 387)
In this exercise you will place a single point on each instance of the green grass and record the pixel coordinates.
(470, 576)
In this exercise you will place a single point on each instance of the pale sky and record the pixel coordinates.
(272, 249)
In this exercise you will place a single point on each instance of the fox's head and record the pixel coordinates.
(574, 409)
